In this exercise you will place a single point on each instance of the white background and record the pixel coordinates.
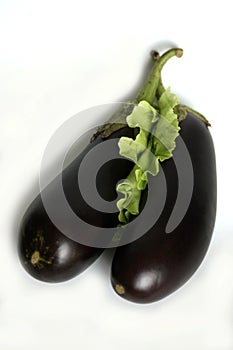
(57, 58)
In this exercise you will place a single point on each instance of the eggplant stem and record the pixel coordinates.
(149, 90)
(181, 109)
(155, 55)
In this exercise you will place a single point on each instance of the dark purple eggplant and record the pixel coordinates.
(49, 253)
(46, 253)
(158, 263)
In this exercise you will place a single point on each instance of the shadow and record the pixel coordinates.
(19, 210)
(145, 71)
(105, 262)
(160, 47)
(164, 45)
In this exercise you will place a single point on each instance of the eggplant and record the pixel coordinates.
(158, 263)
(52, 254)
(152, 266)
(48, 253)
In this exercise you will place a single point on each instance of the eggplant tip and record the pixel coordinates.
(179, 53)
(35, 257)
(120, 289)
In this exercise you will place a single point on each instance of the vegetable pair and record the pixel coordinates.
(148, 132)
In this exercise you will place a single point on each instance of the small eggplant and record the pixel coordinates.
(49, 253)
(158, 263)
(46, 253)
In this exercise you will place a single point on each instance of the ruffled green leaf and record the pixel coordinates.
(129, 204)
(141, 179)
(142, 116)
(158, 129)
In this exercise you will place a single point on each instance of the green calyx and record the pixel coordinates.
(158, 127)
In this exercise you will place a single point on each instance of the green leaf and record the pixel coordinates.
(141, 179)
(155, 142)
(142, 116)
(167, 102)
(129, 204)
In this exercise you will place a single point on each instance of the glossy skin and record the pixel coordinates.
(157, 264)
(45, 252)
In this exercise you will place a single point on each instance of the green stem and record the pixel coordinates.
(148, 91)
(160, 89)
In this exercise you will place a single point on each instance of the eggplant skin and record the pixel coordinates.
(157, 264)
(46, 253)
